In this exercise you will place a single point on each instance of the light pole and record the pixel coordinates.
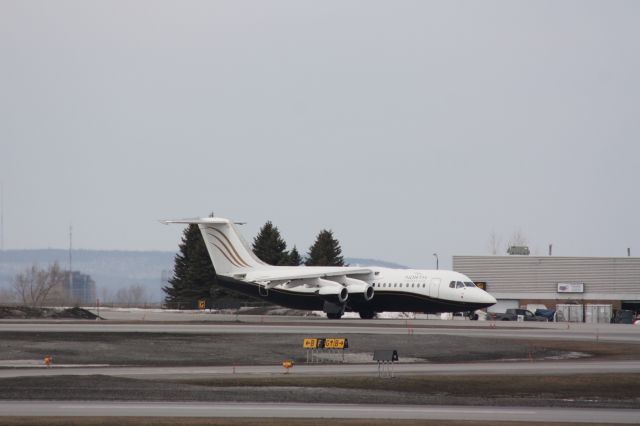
(437, 261)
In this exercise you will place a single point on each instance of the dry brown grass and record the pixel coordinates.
(597, 349)
(603, 386)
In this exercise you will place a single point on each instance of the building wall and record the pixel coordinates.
(534, 279)
(81, 290)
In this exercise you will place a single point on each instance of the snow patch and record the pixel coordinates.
(35, 363)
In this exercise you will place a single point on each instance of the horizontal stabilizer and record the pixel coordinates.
(197, 221)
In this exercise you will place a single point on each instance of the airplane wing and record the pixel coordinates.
(314, 272)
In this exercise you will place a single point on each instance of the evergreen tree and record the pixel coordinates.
(292, 258)
(193, 275)
(269, 246)
(325, 251)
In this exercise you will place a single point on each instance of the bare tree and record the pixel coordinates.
(138, 295)
(517, 239)
(105, 296)
(134, 295)
(122, 297)
(7, 296)
(495, 241)
(35, 286)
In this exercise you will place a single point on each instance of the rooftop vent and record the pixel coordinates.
(518, 250)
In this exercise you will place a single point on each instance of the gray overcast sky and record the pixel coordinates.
(407, 127)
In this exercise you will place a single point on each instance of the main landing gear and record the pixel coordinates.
(367, 314)
(333, 310)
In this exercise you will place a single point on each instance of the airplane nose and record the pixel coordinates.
(489, 298)
(485, 298)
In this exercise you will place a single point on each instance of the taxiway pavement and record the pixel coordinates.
(481, 368)
(344, 411)
(578, 332)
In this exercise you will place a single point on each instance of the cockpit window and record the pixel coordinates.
(469, 284)
(459, 284)
(452, 284)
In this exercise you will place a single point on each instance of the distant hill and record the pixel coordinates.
(116, 269)
(109, 269)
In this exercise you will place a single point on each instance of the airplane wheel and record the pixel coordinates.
(334, 316)
(367, 314)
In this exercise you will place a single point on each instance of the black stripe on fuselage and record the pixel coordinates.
(383, 301)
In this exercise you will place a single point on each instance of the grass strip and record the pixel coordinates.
(606, 385)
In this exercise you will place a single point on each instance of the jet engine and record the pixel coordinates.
(360, 289)
(363, 291)
(332, 291)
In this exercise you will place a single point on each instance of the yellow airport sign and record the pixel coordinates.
(310, 343)
(201, 304)
(334, 343)
(321, 343)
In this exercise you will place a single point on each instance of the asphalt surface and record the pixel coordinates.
(345, 411)
(488, 368)
(576, 332)
(214, 324)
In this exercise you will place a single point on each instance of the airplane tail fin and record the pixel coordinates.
(228, 251)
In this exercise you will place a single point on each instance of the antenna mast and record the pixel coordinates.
(70, 263)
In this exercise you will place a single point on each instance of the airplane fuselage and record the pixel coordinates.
(334, 289)
(395, 290)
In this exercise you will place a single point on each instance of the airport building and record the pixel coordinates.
(517, 281)
(81, 289)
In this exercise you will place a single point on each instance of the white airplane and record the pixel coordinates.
(334, 289)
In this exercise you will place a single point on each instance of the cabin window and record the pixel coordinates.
(424, 285)
(395, 284)
(452, 284)
(376, 273)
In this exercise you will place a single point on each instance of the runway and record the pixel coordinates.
(252, 326)
(481, 368)
(576, 332)
(334, 411)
